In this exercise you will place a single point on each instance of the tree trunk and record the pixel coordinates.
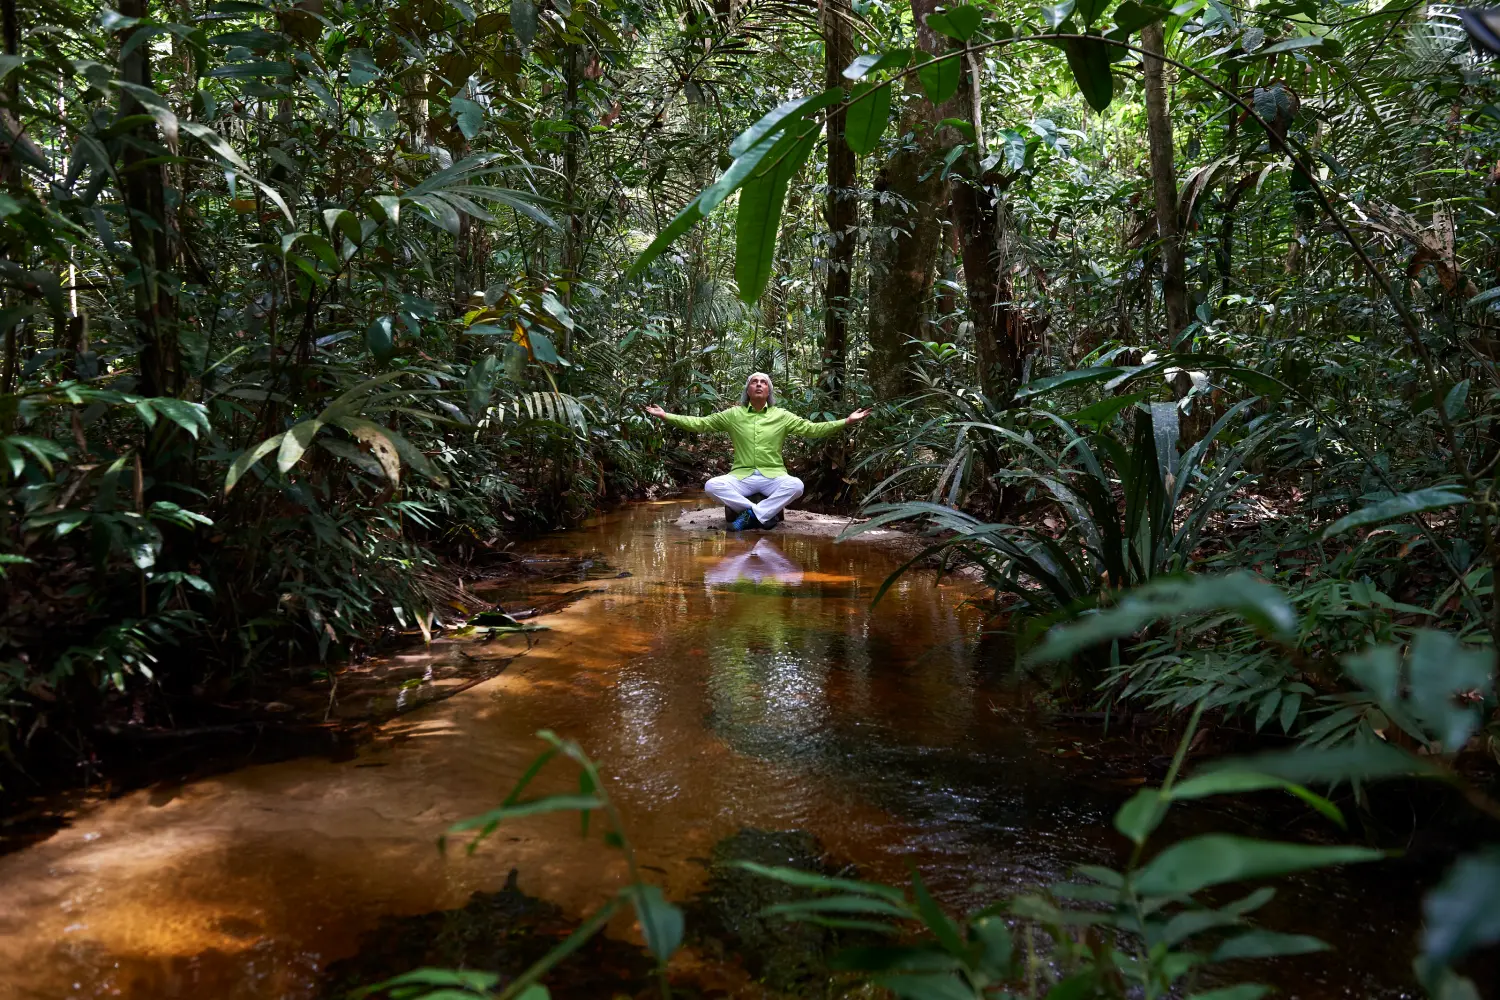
(573, 236)
(904, 241)
(1164, 183)
(841, 211)
(144, 190)
(978, 214)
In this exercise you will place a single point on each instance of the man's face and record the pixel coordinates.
(759, 389)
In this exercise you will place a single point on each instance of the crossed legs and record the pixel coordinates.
(779, 491)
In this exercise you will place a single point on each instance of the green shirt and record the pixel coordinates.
(757, 436)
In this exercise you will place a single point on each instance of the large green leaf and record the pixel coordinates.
(1132, 16)
(960, 23)
(868, 114)
(523, 21)
(1372, 761)
(1076, 377)
(1089, 61)
(1242, 594)
(759, 217)
(1090, 10)
(1266, 944)
(661, 922)
(1217, 858)
(1400, 505)
(1463, 912)
(939, 77)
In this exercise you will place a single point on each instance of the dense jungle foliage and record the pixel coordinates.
(305, 303)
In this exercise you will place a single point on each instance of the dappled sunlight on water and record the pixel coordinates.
(725, 682)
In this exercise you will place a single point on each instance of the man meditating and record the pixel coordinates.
(757, 427)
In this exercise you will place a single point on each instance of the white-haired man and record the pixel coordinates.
(757, 427)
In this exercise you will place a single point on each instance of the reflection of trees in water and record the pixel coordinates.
(768, 659)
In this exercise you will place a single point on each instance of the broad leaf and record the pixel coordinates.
(868, 114)
(1089, 61)
(759, 219)
(523, 21)
(1139, 818)
(1463, 912)
(661, 921)
(1266, 944)
(939, 77)
(1242, 594)
(1132, 16)
(1216, 858)
(872, 62)
(960, 23)
(1400, 505)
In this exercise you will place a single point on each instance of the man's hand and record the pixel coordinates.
(857, 416)
(656, 411)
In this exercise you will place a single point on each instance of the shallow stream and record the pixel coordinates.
(724, 683)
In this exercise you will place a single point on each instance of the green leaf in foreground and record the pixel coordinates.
(1089, 61)
(1400, 505)
(1242, 594)
(1463, 912)
(868, 113)
(1217, 858)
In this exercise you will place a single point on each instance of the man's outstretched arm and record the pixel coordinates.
(815, 429)
(712, 422)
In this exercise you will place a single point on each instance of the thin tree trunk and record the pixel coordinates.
(842, 209)
(978, 213)
(573, 237)
(1164, 183)
(904, 242)
(144, 192)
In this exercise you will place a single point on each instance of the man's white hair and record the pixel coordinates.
(745, 392)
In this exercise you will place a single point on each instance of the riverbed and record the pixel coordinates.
(722, 682)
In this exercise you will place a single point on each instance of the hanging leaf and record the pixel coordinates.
(867, 116)
(871, 62)
(1461, 912)
(939, 78)
(1090, 10)
(960, 23)
(1089, 61)
(1056, 14)
(523, 21)
(1131, 16)
(541, 348)
(759, 217)
(468, 115)
(378, 339)
(1214, 859)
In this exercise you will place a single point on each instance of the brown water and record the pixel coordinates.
(720, 685)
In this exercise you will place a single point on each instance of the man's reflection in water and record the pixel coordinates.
(762, 564)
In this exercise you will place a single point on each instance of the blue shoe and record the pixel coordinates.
(745, 519)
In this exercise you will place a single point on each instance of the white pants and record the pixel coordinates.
(777, 490)
(763, 562)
